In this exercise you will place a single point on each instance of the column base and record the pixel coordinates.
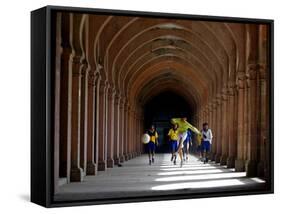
(230, 163)
(239, 165)
(76, 174)
(251, 168)
(223, 160)
(102, 166)
(91, 169)
(217, 158)
(122, 158)
(261, 169)
(117, 161)
(110, 163)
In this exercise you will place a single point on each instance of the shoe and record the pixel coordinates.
(149, 162)
(184, 160)
(172, 158)
(181, 163)
(175, 162)
(152, 160)
(207, 160)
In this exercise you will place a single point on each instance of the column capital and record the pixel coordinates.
(218, 98)
(224, 94)
(117, 97)
(122, 101)
(92, 79)
(111, 92)
(103, 86)
(241, 79)
(76, 63)
(85, 69)
(262, 69)
(252, 70)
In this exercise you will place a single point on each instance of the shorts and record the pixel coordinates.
(205, 146)
(151, 146)
(182, 138)
(187, 140)
(174, 145)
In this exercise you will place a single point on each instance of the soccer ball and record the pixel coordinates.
(145, 138)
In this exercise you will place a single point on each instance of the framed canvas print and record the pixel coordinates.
(133, 106)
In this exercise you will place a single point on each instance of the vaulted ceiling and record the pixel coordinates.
(143, 56)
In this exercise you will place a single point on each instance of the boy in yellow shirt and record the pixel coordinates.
(173, 138)
(152, 143)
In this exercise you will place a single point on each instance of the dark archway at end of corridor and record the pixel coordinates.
(160, 109)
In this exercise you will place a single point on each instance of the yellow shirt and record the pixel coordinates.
(184, 125)
(154, 137)
(174, 134)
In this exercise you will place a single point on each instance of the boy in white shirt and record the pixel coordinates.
(206, 142)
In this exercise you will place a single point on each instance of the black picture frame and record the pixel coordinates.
(42, 110)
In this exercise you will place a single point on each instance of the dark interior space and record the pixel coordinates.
(160, 109)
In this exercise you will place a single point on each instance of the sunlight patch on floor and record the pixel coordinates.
(203, 177)
(257, 180)
(187, 172)
(192, 168)
(198, 185)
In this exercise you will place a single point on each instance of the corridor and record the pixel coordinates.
(137, 178)
(114, 76)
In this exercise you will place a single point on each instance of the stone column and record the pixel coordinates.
(122, 131)
(219, 130)
(264, 99)
(251, 164)
(232, 148)
(116, 129)
(214, 130)
(76, 173)
(241, 85)
(96, 122)
(102, 126)
(126, 133)
(225, 122)
(91, 163)
(84, 116)
(110, 127)
(138, 137)
(264, 124)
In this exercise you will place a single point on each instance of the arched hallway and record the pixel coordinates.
(108, 70)
(162, 178)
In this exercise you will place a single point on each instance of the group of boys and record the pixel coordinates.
(180, 140)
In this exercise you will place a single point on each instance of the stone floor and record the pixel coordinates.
(137, 178)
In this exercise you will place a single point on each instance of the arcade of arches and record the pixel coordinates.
(109, 68)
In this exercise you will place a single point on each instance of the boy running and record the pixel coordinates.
(173, 138)
(151, 144)
(206, 142)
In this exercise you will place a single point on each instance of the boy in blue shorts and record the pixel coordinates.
(152, 143)
(173, 139)
(206, 142)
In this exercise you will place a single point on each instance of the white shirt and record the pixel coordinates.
(207, 135)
